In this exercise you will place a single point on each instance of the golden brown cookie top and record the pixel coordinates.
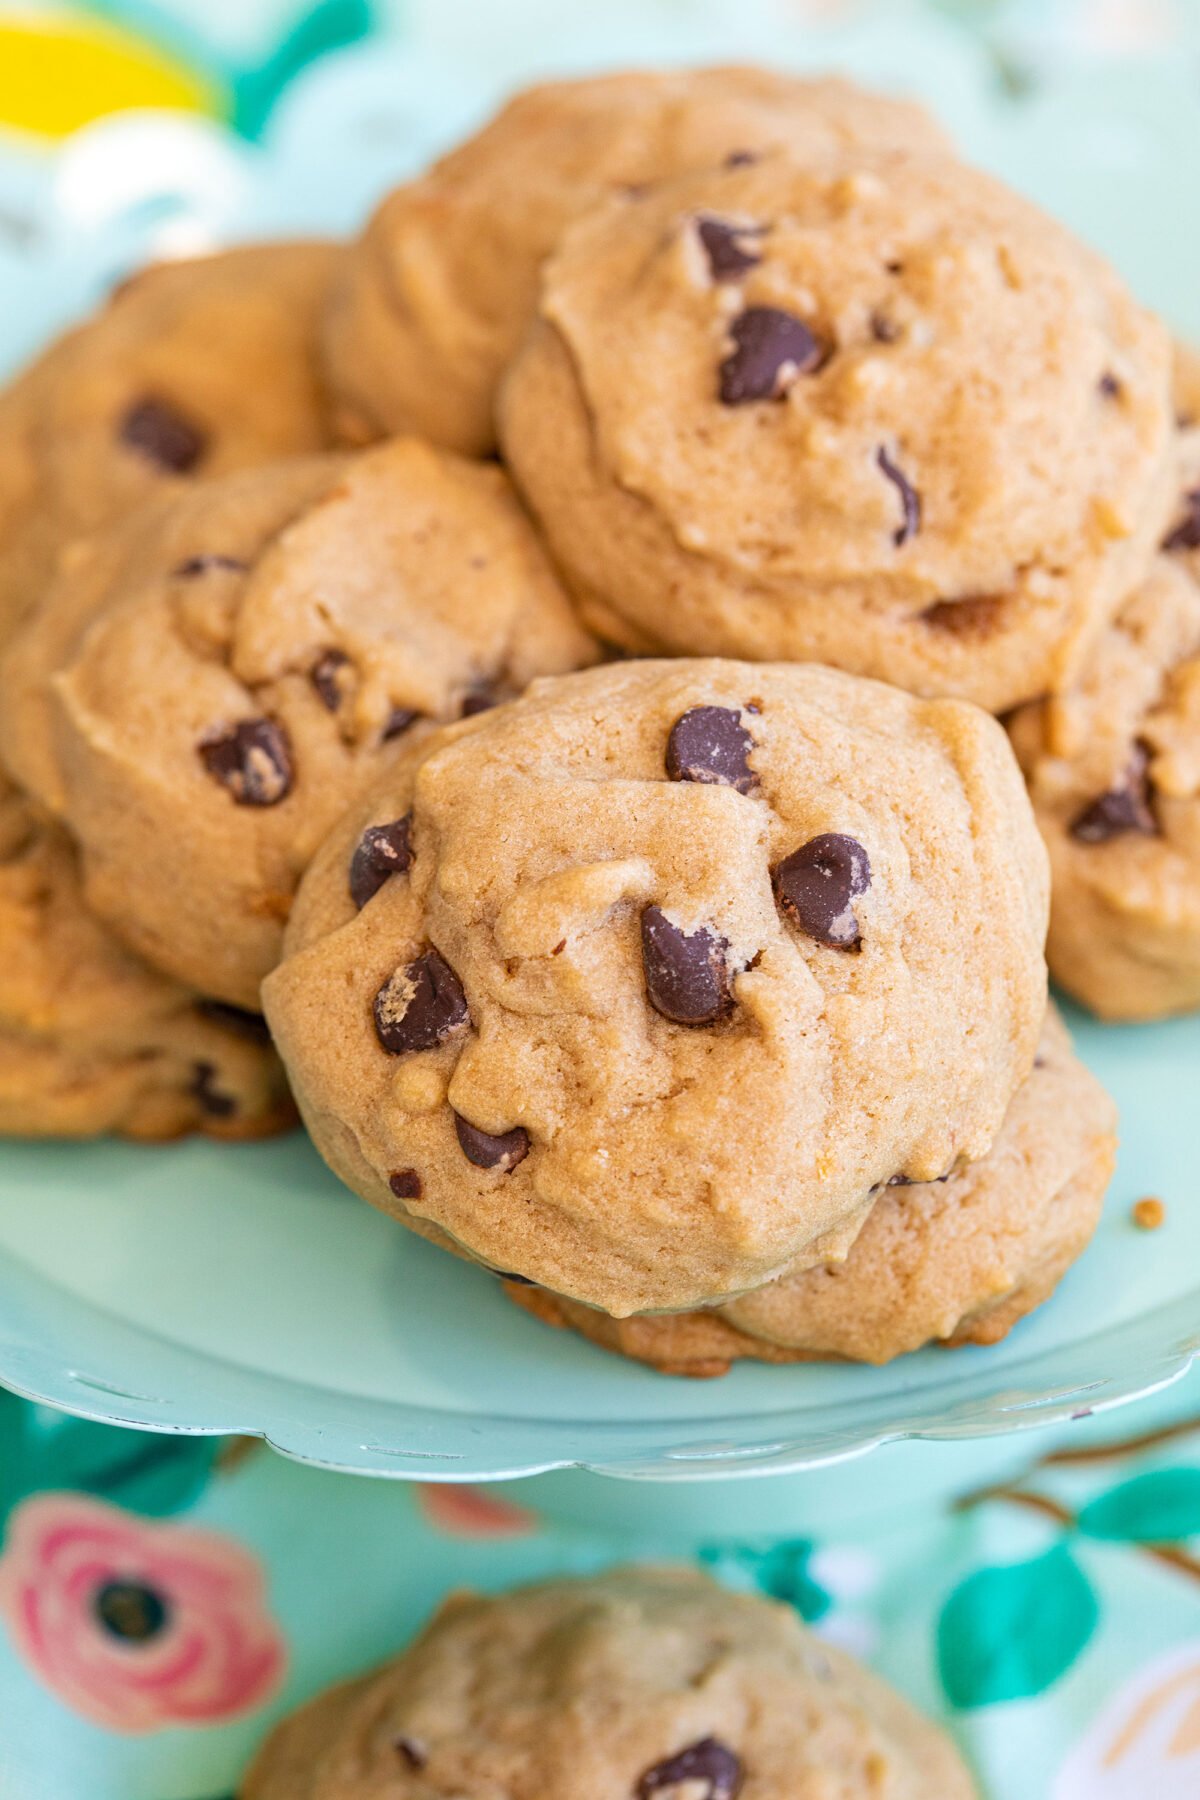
(212, 684)
(191, 368)
(621, 1687)
(875, 409)
(639, 985)
(433, 300)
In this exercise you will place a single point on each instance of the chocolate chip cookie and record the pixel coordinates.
(1114, 773)
(876, 411)
(192, 368)
(91, 1039)
(958, 1261)
(432, 301)
(210, 685)
(624, 1686)
(641, 985)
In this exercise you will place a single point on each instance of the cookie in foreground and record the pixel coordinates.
(952, 1262)
(639, 985)
(624, 1686)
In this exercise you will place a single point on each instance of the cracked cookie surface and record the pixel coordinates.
(432, 301)
(665, 968)
(876, 411)
(91, 1039)
(956, 1261)
(623, 1686)
(210, 684)
(195, 367)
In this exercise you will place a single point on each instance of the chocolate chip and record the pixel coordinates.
(162, 435)
(1109, 386)
(910, 500)
(382, 850)
(420, 1006)
(328, 676)
(410, 1752)
(487, 1152)
(974, 617)
(771, 350)
(815, 885)
(253, 759)
(710, 744)
(883, 329)
(726, 247)
(210, 1099)
(207, 565)
(741, 159)
(405, 1184)
(1185, 535)
(131, 1611)
(480, 699)
(911, 1181)
(1122, 809)
(686, 975)
(517, 1280)
(398, 722)
(709, 1761)
(244, 1024)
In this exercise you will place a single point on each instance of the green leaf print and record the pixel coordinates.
(780, 1570)
(1009, 1632)
(1161, 1507)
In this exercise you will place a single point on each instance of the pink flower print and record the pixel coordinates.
(133, 1623)
(465, 1512)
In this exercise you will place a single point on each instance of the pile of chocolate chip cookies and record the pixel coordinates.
(561, 658)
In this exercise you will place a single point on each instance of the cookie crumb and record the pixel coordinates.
(1148, 1214)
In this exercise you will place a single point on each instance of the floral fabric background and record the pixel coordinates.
(162, 1599)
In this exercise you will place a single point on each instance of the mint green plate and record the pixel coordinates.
(221, 1288)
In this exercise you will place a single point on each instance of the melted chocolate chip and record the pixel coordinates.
(883, 329)
(1109, 386)
(815, 885)
(244, 1024)
(209, 1098)
(741, 159)
(253, 759)
(503, 1152)
(1124, 808)
(162, 435)
(405, 1184)
(382, 850)
(207, 565)
(131, 1611)
(709, 1761)
(398, 722)
(974, 617)
(328, 675)
(480, 699)
(686, 974)
(911, 1181)
(730, 248)
(420, 1006)
(771, 350)
(517, 1280)
(1185, 534)
(710, 744)
(910, 500)
(414, 1755)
